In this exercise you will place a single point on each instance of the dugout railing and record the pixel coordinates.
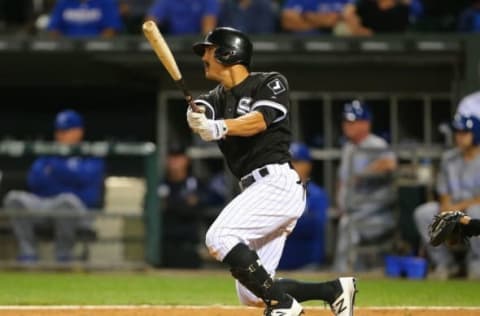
(145, 223)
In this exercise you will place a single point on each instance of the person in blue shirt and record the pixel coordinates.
(305, 246)
(469, 20)
(182, 17)
(249, 16)
(85, 18)
(58, 183)
(311, 16)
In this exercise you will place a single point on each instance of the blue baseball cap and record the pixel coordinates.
(300, 152)
(356, 111)
(68, 119)
(463, 123)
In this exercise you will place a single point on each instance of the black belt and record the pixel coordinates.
(250, 179)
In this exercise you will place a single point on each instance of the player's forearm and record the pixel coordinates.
(293, 21)
(354, 22)
(460, 206)
(246, 125)
(472, 228)
(382, 166)
(208, 23)
(322, 19)
(108, 32)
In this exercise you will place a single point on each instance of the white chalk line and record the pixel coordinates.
(226, 307)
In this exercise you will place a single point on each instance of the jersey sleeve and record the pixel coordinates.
(206, 101)
(111, 16)
(442, 178)
(158, 10)
(55, 22)
(272, 99)
(211, 8)
(297, 5)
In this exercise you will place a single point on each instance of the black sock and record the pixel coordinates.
(247, 269)
(472, 228)
(305, 291)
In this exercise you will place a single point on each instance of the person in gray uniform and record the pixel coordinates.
(364, 193)
(70, 184)
(458, 188)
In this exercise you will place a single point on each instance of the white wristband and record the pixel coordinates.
(221, 129)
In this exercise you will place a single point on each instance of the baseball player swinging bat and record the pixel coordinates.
(160, 46)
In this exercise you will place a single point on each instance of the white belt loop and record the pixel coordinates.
(256, 174)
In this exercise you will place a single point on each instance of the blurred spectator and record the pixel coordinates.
(440, 15)
(416, 11)
(132, 13)
(15, 15)
(305, 246)
(367, 17)
(470, 105)
(365, 196)
(218, 189)
(458, 190)
(182, 212)
(185, 16)
(85, 18)
(58, 184)
(312, 16)
(249, 16)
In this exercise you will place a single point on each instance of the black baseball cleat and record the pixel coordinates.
(289, 307)
(344, 303)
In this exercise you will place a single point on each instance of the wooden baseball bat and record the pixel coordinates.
(160, 46)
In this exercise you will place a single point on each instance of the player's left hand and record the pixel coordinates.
(213, 130)
(446, 227)
(195, 119)
(207, 129)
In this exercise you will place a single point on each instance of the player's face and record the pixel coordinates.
(213, 69)
(355, 129)
(463, 139)
(177, 166)
(70, 136)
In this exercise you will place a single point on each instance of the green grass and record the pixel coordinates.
(28, 288)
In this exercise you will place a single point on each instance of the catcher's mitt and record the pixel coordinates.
(446, 227)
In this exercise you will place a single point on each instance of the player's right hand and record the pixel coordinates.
(194, 119)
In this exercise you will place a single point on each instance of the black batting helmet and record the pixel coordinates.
(234, 47)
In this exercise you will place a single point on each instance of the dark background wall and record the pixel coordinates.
(117, 86)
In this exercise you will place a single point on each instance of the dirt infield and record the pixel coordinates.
(220, 311)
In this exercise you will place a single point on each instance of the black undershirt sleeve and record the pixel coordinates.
(472, 228)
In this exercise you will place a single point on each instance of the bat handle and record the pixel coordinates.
(192, 104)
(188, 97)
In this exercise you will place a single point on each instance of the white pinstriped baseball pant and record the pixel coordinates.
(260, 217)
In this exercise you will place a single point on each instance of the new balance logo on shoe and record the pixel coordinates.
(343, 305)
(339, 306)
